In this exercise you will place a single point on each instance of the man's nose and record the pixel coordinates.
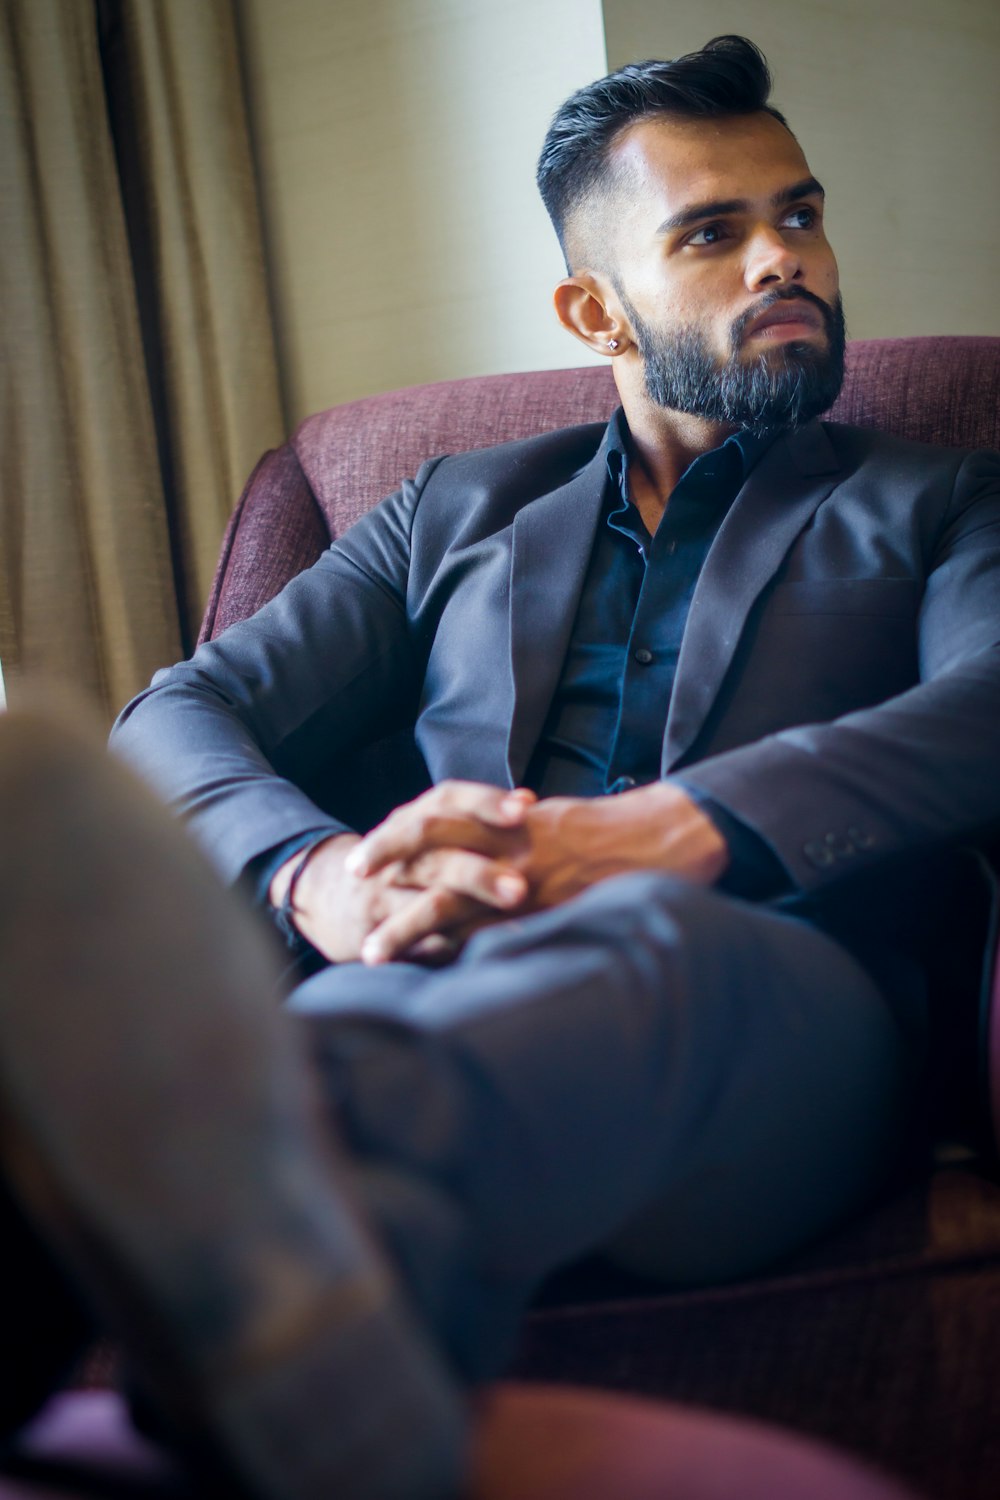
(771, 260)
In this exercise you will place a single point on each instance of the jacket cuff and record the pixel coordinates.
(754, 871)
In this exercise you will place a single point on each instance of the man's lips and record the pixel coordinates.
(788, 319)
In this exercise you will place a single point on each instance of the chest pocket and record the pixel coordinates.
(814, 650)
(893, 597)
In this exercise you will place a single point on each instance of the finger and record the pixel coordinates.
(407, 840)
(432, 912)
(515, 804)
(338, 919)
(493, 804)
(468, 874)
(460, 814)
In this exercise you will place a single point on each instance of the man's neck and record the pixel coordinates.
(664, 444)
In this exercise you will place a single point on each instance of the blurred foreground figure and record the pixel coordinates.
(160, 1133)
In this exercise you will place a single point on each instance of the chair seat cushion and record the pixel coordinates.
(882, 1338)
(532, 1443)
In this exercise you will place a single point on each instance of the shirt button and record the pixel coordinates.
(643, 656)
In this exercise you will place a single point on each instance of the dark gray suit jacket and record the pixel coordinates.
(838, 688)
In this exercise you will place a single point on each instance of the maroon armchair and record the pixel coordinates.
(884, 1338)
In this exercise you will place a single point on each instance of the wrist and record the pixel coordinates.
(288, 884)
(673, 832)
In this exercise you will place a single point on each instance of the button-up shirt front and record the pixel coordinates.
(604, 731)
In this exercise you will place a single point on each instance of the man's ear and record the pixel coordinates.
(586, 306)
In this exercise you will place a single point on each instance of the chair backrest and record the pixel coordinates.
(341, 461)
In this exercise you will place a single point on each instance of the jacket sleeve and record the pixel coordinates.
(228, 737)
(915, 773)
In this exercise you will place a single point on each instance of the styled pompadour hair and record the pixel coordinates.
(729, 76)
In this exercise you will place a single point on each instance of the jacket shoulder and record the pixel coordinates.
(856, 445)
(537, 463)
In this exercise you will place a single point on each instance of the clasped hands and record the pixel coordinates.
(464, 855)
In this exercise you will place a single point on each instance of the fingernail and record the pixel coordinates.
(513, 806)
(355, 861)
(510, 888)
(372, 952)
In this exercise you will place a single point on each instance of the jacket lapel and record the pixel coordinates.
(783, 491)
(552, 541)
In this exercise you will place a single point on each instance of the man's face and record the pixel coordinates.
(723, 270)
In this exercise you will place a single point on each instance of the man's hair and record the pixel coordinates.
(729, 76)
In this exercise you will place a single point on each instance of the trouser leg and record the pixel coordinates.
(697, 1083)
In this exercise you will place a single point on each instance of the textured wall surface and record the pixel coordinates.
(396, 143)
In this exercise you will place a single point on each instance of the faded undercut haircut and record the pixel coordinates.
(729, 76)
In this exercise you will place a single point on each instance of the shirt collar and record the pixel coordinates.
(751, 447)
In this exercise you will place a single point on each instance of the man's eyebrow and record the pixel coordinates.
(807, 188)
(719, 208)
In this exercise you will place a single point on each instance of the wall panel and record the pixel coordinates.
(396, 143)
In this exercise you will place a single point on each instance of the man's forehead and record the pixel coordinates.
(670, 163)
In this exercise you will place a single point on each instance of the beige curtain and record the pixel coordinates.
(138, 374)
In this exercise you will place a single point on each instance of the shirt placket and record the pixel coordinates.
(673, 559)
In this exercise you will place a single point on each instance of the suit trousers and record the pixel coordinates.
(688, 1083)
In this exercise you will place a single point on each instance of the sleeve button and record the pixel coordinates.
(819, 853)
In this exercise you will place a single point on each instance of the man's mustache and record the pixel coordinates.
(781, 294)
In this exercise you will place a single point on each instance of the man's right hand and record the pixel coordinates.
(445, 893)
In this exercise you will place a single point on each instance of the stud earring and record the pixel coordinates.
(612, 343)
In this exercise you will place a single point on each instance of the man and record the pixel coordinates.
(681, 1022)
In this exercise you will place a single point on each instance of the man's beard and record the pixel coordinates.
(783, 386)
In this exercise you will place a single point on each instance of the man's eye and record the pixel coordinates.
(802, 218)
(709, 234)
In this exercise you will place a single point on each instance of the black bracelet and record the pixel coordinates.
(284, 915)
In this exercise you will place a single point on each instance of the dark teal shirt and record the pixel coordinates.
(604, 731)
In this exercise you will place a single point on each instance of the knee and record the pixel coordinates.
(646, 932)
(650, 905)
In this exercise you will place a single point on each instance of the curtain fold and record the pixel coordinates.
(86, 576)
(178, 120)
(137, 375)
